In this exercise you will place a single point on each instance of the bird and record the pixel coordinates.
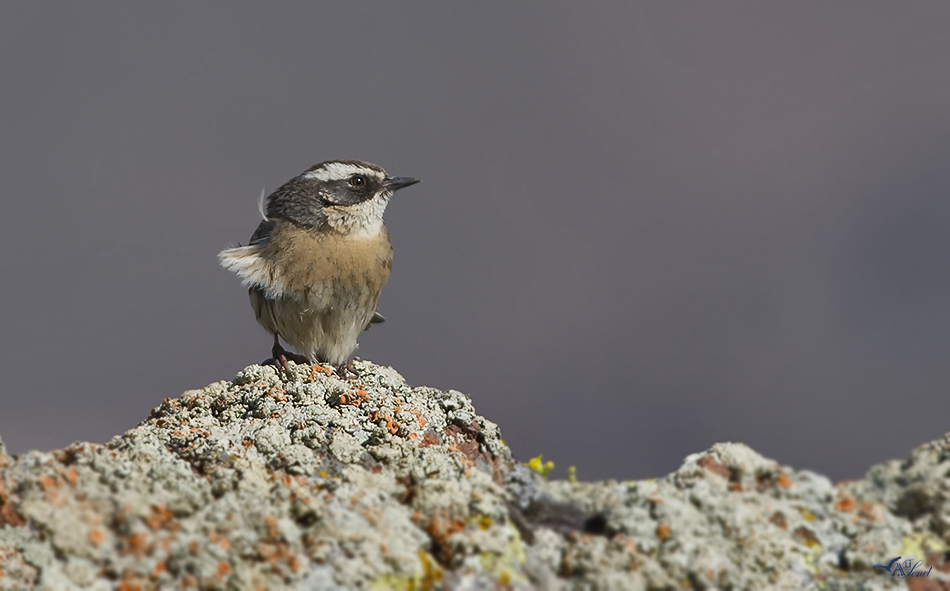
(319, 259)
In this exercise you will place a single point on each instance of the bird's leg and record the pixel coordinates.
(282, 356)
(279, 354)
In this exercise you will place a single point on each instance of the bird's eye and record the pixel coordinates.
(357, 180)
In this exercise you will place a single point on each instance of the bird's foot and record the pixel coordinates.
(281, 356)
(298, 359)
(343, 368)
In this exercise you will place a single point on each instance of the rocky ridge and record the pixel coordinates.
(298, 479)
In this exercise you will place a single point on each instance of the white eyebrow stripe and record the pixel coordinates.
(338, 171)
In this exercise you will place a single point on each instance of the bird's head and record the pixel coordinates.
(348, 196)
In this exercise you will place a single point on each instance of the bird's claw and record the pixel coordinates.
(343, 368)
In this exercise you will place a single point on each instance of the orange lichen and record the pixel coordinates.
(277, 394)
(663, 531)
(161, 517)
(8, 515)
(439, 529)
(315, 369)
(422, 421)
(95, 536)
(845, 504)
(135, 544)
(391, 425)
(783, 480)
(871, 511)
(271, 522)
(356, 398)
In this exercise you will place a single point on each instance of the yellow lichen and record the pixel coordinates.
(806, 514)
(538, 465)
(917, 545)
(425, 579)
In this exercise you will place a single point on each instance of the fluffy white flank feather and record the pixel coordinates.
(252, 269)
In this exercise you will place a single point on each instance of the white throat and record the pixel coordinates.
(363, 220)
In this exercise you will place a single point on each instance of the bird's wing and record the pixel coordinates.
(376, 319)
(262, 233)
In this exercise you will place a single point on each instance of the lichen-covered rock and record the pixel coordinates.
(274, 480)
(727, 519)
(298, 479)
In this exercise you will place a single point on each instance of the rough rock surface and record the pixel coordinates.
(302, 480)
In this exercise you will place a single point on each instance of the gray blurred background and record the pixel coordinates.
(643, 229)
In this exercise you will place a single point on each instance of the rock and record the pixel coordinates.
(302, 480)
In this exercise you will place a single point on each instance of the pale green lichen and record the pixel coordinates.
(507, 566)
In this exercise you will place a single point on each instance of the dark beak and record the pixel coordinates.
(394, 183)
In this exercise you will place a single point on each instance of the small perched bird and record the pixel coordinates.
(320, 258)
